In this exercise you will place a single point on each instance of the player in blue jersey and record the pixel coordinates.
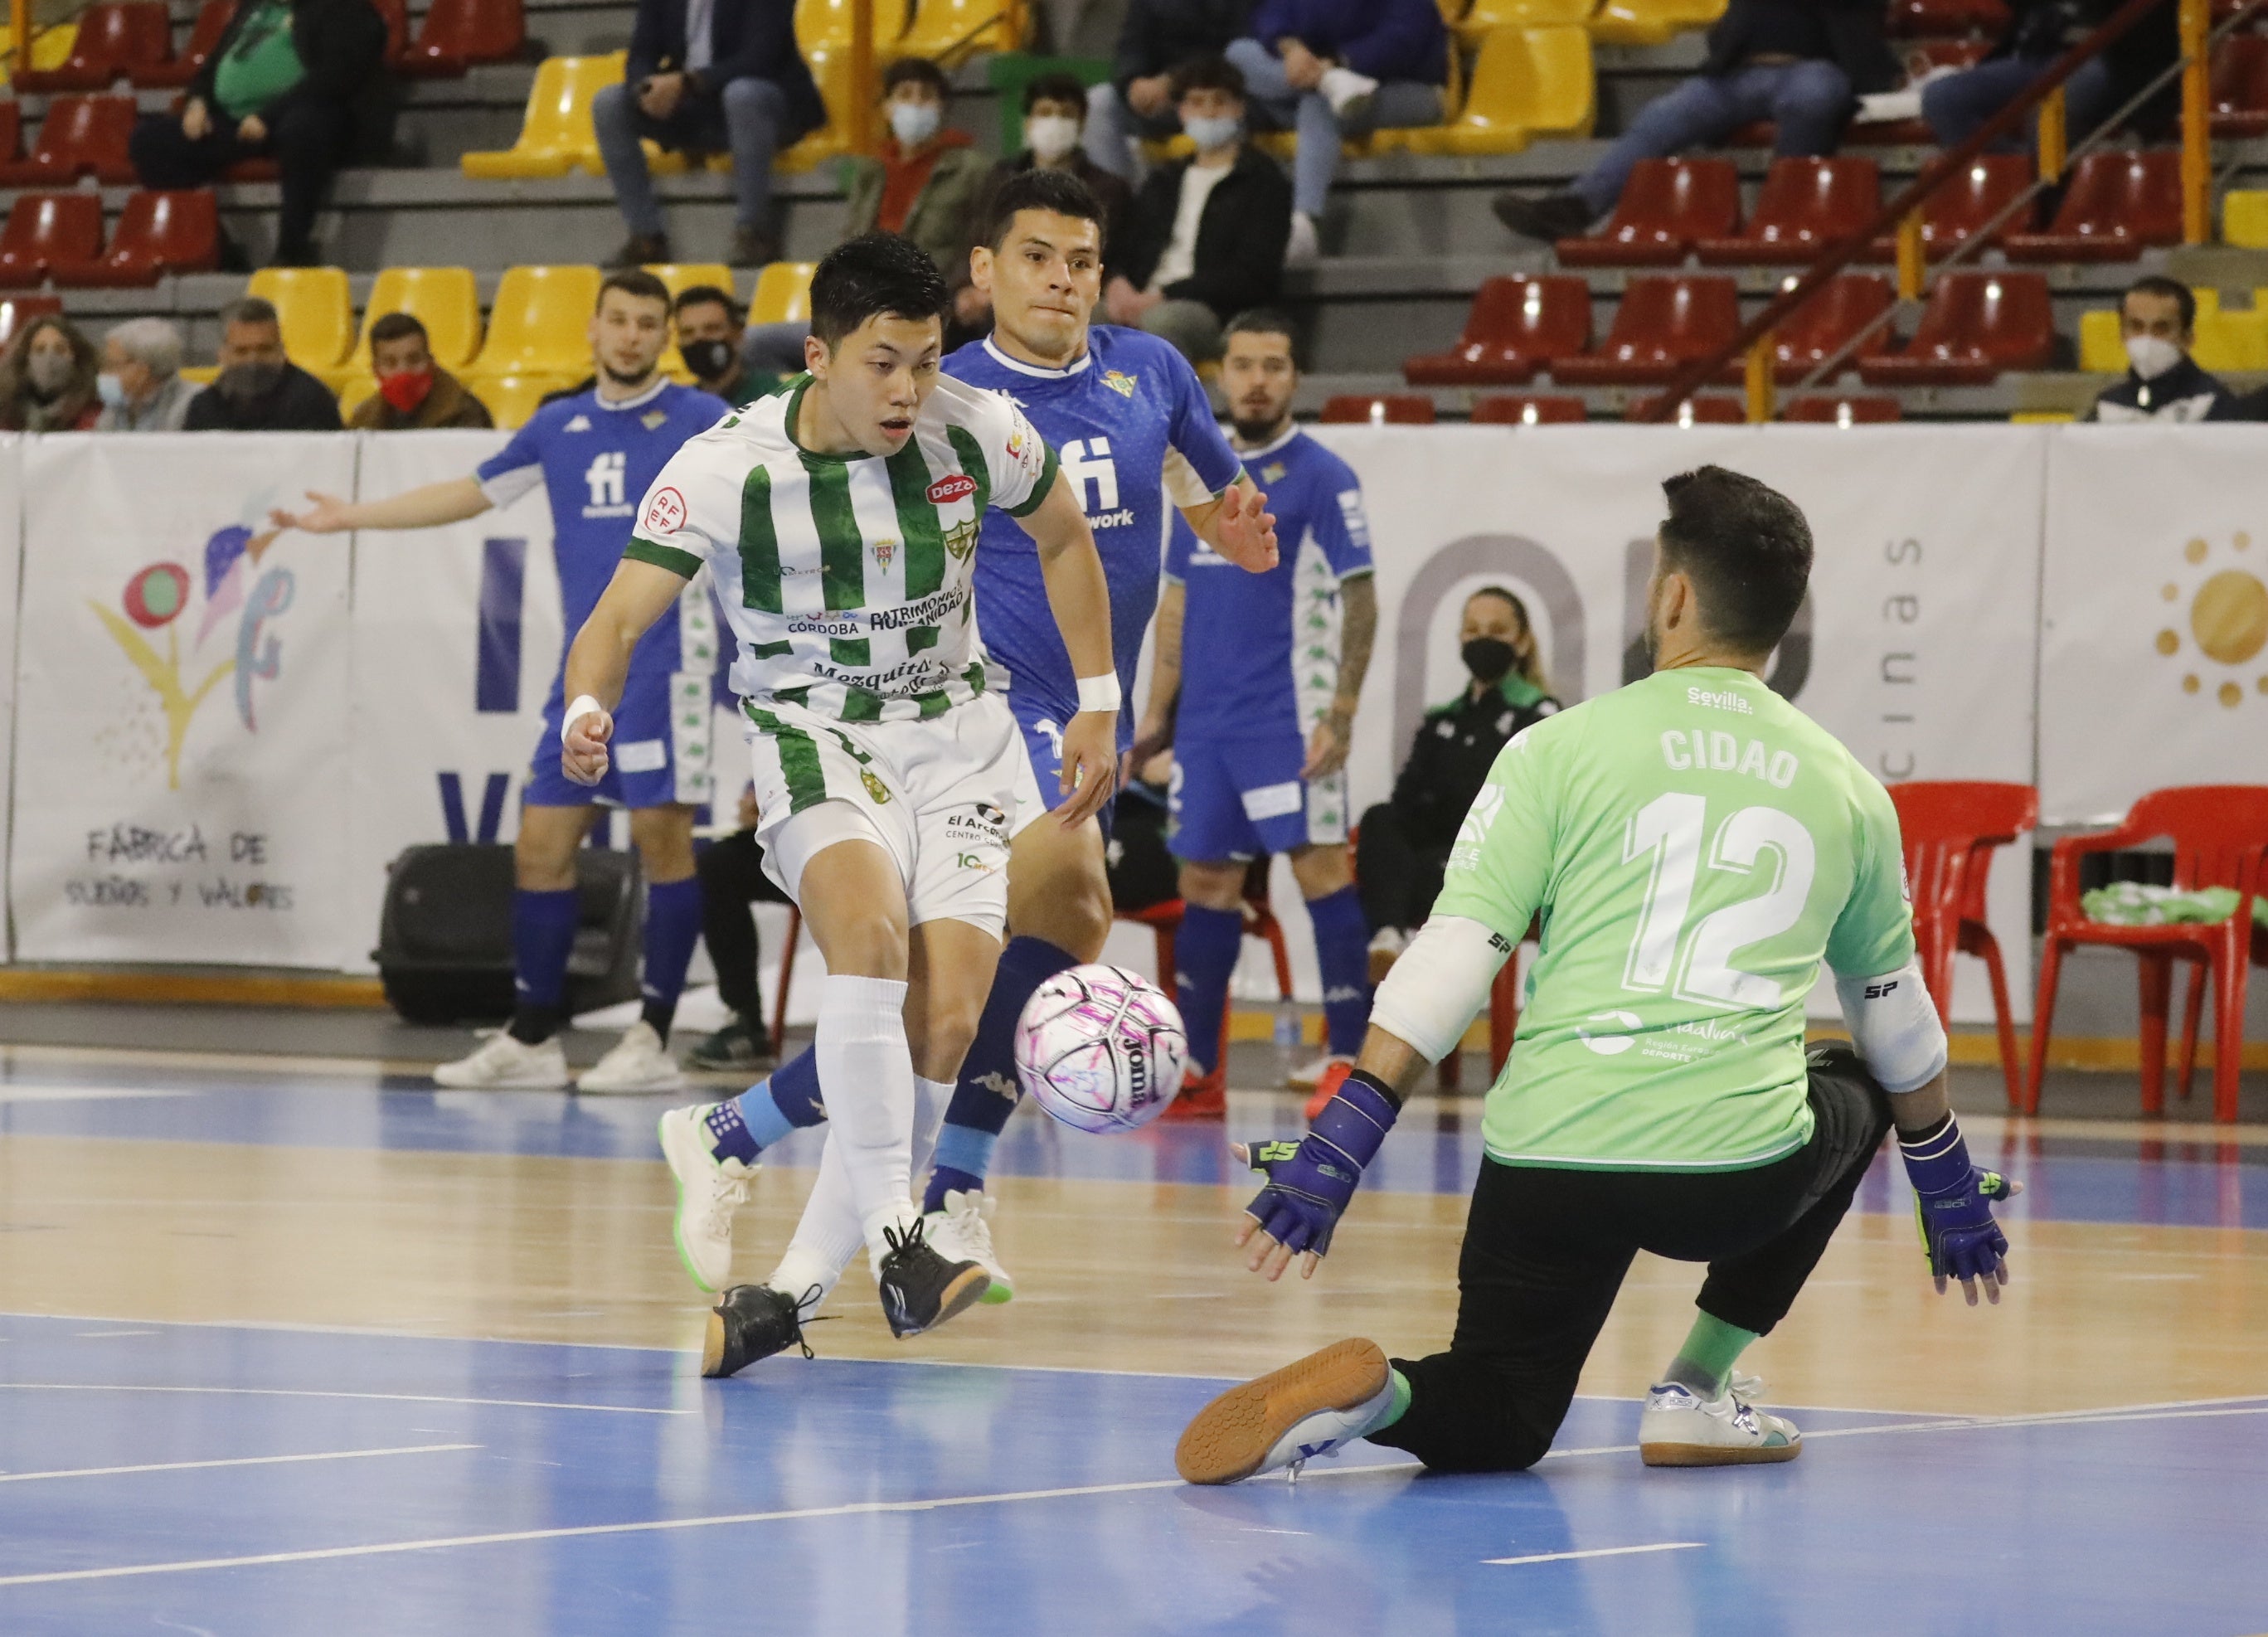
(595, 452)
(1260, 750)
(1135, 433)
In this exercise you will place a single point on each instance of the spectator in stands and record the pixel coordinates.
(47, 379)
(282, 83)
(1208, 234)
(1138, 101)
(2037, 34)
(706, 77)
(413, 393)
(141, 385)
(710, 327)
(1404, 844)
(2157, 319)
(732, 871)
(258, 388)
(1332, 69)
(1801, 63)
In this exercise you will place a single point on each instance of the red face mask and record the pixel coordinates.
(407, 389)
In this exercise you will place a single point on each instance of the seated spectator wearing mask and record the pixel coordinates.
(1156, 38)
(2157, 319)
(413, 393)
(1333, 69)
(258, 388)
(1404, 844)
(710, 328)
(141, 383)
(47, 379)
(1208, 234)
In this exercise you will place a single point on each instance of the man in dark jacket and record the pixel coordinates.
(1137, 101)
(1801, 63)
(259, 389)
(282, 83)
(1208, 234)
(706, 77)
(2038, 33)
(2157, 322)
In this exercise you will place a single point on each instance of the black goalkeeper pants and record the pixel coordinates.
(1546, 1249)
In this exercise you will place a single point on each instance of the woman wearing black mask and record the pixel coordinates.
(1404, 844)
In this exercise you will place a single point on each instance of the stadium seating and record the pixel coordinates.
(45, 228)
(1974, 326)
(1504, 410)
(315, 312)
(1526, 82)
(81, 136)
(18, 311)
(1709, 409)
(444, 299)
(554, 134)
(157, 233)
(2116, 204)
(1663, 324)
(1818, 330)
(2238, 100)
(205, 34)
(1516, 327)
(1848, 410)
(782, 293)
(1651, 22)
(1665, 208)
(1805, 206)
(112, 41)
(1387, 408)
(458, 33)
(1961, 207)
(538, 323)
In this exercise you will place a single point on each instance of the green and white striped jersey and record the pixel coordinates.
(847, 578)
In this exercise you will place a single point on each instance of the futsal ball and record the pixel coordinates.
(1101, 1049)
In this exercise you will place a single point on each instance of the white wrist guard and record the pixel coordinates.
(1895, 1025)
(1440, 984)
(1098, 693)
(583, 705)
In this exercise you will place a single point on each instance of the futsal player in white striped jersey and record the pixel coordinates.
(839, 521)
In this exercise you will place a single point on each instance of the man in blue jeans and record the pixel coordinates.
(706, 77)
(1801, 63)
(1337, 68)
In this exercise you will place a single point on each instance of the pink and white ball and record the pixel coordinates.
(1101, 1049)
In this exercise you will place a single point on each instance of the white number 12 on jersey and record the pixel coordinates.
(1666, 833)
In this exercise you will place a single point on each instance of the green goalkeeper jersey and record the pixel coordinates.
(1693, 846)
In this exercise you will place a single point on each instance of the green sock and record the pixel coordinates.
(1707, 1360)
(1400, 1408)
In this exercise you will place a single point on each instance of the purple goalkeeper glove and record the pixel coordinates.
(1310, 1181)
(1953, 1208)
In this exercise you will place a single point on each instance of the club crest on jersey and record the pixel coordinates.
(946, 490)
(873, 786)
(1119, 381)
(884, 550)
(961, 540)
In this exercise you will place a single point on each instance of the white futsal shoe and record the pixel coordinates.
(501, 1062)
(709, 1191)
(961, 1233)
(1679, 1427)
(637, 1062)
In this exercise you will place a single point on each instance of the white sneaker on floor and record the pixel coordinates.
(1349, 94)
(1387, 945)
(502, 1064)
(1305, 247)
(1308, 1076)
(709, 1191)
(637, 1062)
(1679, 1427)
(961, 1232)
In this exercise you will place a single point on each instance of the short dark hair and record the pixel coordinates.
(397, 326)
(1747, 549)
(711, 295)
(633, 280)
(1265, 321)
(872, 274)
(1039, 189)
(2159, 284)
(902, 70)
(1210, 72)
(1055, 87)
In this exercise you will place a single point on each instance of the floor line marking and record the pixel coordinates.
(249, 1460)
(303, 1392)
(1602, 1552)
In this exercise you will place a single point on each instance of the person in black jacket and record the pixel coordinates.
(1207, 235)
(259, 389)
(1157, 37)
(706, 77)
(1801, 63)
(2038, 33)
(282, 81)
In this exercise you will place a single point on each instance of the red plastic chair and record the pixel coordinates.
(1818, 330)
(157, 233)
(18, 311)
(1666, 206)
(2238, 100)
(2219, 834)
(205, 34)
(1704, 409)
(1390, 408)
(456, 33)
(1516, 326)
(1843, 409)
(1504, 409)
(80, 134)
(1662, 325)
(1805, 206)
(1951, 829)
(1974, 326)
(113, 41)
(45, 228)
(2117, 205)
(1960, 209)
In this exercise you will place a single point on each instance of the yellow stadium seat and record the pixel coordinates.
(1651, 22)
(512, 399)
(315, 311)
(1486, 15)
(540, 323)
(1526, 82)
(2042, 417)
(555, 132)
(783, 294)
(951, 30)
(824, 23)
(444, 299)
(2244, 217)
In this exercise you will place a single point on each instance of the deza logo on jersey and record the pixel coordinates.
(1087, 460)
(607, 477)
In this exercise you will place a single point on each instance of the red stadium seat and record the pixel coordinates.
(1390, 408)
(18, 311)
(1516, 326)
(1709, 409)
(1665, 207)
(2239, 97)
(1974, 326)
(1821, 326)
(456, 33)
(80, 134)
(1504, 409)
(157, 233)
(213, 21)
(2116, 205)
(1960, 207)
(113, 41)
(1805, 206)
(1844, 409)
(1921, 18)
(1662, 325)
(43, 229)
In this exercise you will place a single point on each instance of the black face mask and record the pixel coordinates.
(1488, 658)
(243, 382)
(709, 360)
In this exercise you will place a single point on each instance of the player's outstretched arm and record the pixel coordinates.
(1079, 597)
(638, 594)
(451, 501)
(1238, 525)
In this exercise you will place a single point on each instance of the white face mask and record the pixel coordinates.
(2151, 356)
(1051, 136)
(1213, 132)
(914, 123)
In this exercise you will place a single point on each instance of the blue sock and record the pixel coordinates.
(673, 927)
(1342, 952)
(768, 1111)
(1204, 958)
(986, 1093)
(543, 937)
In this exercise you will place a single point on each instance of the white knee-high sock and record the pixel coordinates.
(866, 1074)
(829, 1233)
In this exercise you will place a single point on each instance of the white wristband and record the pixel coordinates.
(1098, 693)
(583, 706)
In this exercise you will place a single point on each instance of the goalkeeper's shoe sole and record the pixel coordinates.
(1328, 1399)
